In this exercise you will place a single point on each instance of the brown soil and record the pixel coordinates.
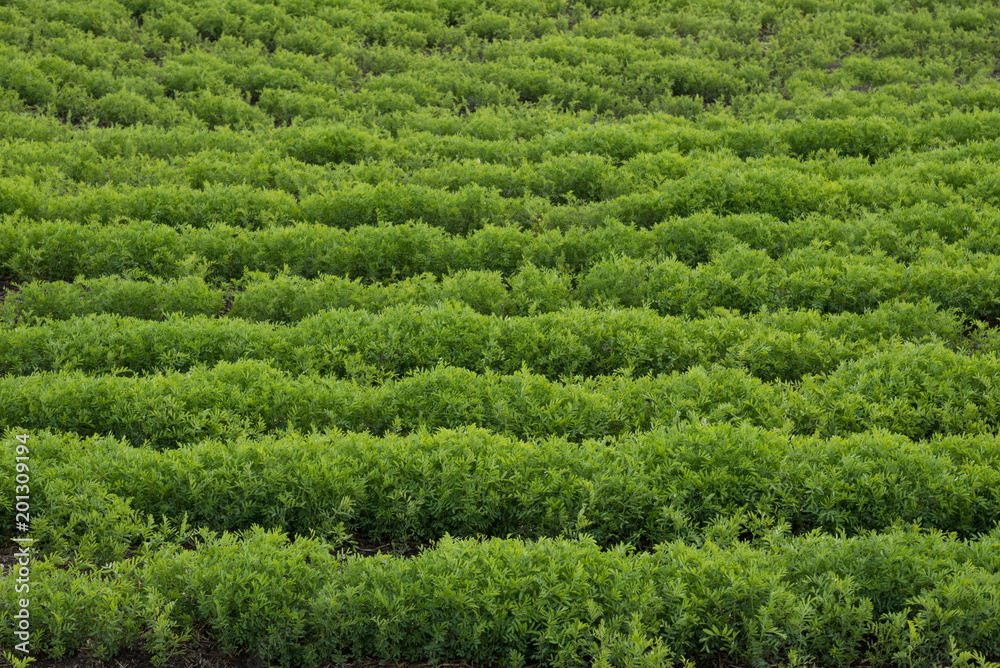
(7, 285)
(7, 559)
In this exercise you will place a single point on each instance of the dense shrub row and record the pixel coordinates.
(909, 389)
(924, 599)
(560, 192)
(740, 278)
(63, 250)
(799, 123)
(400, 339)
(638, 155)
(640, 489)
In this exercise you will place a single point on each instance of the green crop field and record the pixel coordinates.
(500, 333)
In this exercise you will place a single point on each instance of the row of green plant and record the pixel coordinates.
(882, 599)
(916, 390)
(62, 250)
(189, 295)
(640, 489)
(573, 342)
(739, 278)
(891, 122)
(572, 191)
(595, 162)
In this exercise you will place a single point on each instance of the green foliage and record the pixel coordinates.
(917, 390)
(640, 488)
(62, 250)
(150, 300)
(565, 280)
(561, 602)
(399, 339)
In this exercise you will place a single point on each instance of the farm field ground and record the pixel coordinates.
(500, 333)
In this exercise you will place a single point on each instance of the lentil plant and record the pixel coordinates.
(563, 333)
